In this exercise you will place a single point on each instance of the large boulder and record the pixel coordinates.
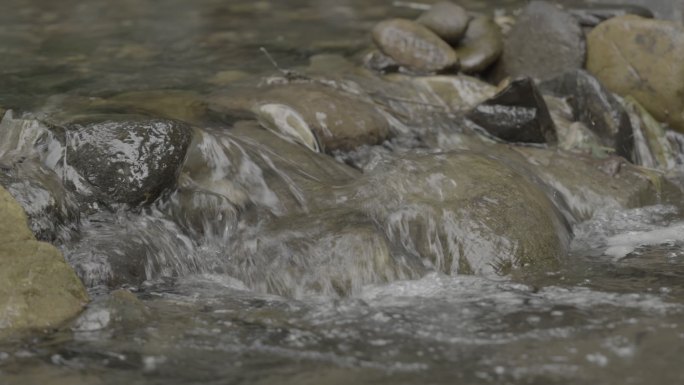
(545, 42)
(38, 289)
(644, 59)
(464, 213)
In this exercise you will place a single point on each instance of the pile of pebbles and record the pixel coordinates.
(444, 39)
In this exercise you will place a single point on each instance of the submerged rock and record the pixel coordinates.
(464, 213)
(516, 114)
(38, 289)
(481, 46)
(596, 108)
(123, 158)
(447, 20)
(545, 42)
(588, 185)
(319, 117)
(414, 46)
(332, 253)
(644, 59)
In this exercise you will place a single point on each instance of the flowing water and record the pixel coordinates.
(231, 292)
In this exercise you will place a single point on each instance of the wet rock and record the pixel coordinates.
(464, 213)
(414, 46)
(652, 148)
(458, 93)
(545, 42)
(596, 108)
(253, 167)
(588, 185)
(447, 20)
(319, 117)
(333, 253)
(481, 46)
(49, 207)
(123, 158)
(38, 289)
(119, 309)
(516, 114)
(644, 59)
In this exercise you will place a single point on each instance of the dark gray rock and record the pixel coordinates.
(447, 20)
(545, 42)
(414, 46)
(597, 108)
(481, 46)
(516, 114)
(124, 158)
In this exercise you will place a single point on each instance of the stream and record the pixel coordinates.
(271, 262)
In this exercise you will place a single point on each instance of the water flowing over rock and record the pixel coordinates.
(414, 46)
(644, 59)
(596, 108)
(516, 114)
(38, 289)
(545, 42)
(481, 46)
(125, 159)
(448, 20)
(464, 213)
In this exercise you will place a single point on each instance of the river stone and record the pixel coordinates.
(447, 20)
(596, 108)
(644, 59)
(516, 114)
(481, 46)
(321, 117)
(333, 253)
(38, 289)
(545, 42)
(464, 213)
(124, 158)
(414, 46)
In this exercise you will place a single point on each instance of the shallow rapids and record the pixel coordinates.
(198, 171)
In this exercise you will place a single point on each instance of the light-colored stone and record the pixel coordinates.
(38, 289)
(644, 59)
(414, 46)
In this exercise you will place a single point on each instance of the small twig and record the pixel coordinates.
(289, 74)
